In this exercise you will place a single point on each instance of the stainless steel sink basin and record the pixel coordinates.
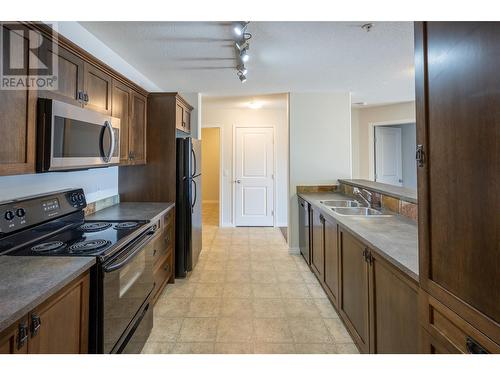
(358, 211)
(341, 203)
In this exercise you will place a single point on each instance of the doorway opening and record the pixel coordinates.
(394, 154)
(210, 167)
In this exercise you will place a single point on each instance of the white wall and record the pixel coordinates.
(320, 145)
(362, 124)
(227, 119)
(97, 183)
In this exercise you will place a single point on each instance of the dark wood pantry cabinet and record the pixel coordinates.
(458, 180)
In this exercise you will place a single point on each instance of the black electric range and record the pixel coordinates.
(121, 281)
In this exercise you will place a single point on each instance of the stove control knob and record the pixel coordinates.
(20, 212)
(73, 198)
(9, 215)
(81, 197)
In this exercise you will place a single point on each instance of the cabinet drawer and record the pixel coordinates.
(442, 322)
(162, 272)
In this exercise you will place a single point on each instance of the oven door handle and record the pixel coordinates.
(131, 253)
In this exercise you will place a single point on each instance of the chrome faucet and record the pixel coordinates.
(359, 193)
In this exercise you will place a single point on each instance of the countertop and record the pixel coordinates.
(394, 237)
(132, 211)
(406, 194)
(28, 281)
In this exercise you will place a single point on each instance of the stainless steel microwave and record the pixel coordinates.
(71, 137)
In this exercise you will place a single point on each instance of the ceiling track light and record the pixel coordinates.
(242, 46)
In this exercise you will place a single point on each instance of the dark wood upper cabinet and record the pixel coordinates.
(318, 247)
(70, 76)
(354, 289)
(394, 309)
(137, 130)
(98, 89)
(331, 260)
(17, 126)
(458, 125)
(121, 108)
(182, 114)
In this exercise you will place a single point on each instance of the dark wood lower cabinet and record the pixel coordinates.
(164, 254)
(317, 242)
(354, 305)
(59, 325)
(394, 305)
(331, 251)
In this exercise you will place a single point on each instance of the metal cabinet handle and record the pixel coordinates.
(473, 347)
(80, 97)
(154, 252)
(86, 97)
(36, 322)
(420, 156)
(22, 335)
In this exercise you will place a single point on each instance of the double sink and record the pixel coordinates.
(352, 208)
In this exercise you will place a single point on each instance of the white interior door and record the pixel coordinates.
(254, 177)
(388, 157)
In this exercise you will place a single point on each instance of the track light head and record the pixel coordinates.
(242, 69)
(239, 28)
(244, 56)
(242, 76)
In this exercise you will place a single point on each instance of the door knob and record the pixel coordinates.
(237, 181)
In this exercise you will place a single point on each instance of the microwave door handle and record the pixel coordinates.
(107, 158)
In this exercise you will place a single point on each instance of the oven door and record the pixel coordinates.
(76, 138)
(127, 284)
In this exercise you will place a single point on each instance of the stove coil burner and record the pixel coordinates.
(127, 225)
(88, 246)
(48, 246)
(94, 227)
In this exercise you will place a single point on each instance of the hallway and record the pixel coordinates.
(246, 295)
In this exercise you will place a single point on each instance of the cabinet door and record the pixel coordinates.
(354, 296)
(10, 338)
(331, 260)
(458, 236)
(63, 320)
(394, 318)
(304, 230)
(318, 256)
(137, 130)
(97, 89)
(179, 115)
(187, 120)
(70, 76)
(17, 125)
(121, 109)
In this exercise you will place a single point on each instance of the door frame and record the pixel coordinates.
(371, 141)
(221, 169)
(233, 176)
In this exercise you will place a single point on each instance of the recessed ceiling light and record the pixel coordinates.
(255, 105)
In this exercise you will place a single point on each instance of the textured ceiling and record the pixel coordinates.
(376, 66)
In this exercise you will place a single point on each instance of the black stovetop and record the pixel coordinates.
(73, 238)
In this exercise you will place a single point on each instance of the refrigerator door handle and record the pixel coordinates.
(193, 158)
(195, 195)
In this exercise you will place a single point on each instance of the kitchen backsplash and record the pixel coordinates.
(393, 204)
(101, 204)
(317, 189)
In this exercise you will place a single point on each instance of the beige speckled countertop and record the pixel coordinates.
(394, 237)
(25, 282)
(132, 211)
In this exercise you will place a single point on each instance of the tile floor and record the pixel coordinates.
(246, 295)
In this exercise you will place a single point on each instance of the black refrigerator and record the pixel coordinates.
(188, 206)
